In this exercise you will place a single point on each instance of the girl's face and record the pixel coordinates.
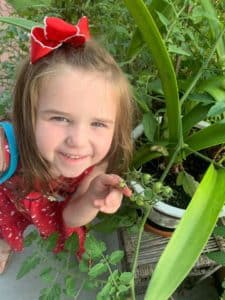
(76, 117)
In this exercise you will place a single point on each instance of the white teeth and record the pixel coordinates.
(72, 156)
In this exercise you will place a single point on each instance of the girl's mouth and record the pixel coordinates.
(72, 157)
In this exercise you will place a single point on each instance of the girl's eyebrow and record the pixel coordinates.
(55, 112)
(104, 120)
(58, 112)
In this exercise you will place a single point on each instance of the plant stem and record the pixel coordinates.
(198, 75)
(211, 161)
(166, 171)
(110, 270)
(80, 289)
(134, 266)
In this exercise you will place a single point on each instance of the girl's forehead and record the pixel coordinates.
(78, 88)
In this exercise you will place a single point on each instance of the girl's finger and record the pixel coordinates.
(116, 182)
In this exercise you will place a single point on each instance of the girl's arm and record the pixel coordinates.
(103, 194)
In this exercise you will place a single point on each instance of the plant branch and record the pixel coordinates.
(134, 266)
(199, 74)
(166, 171)
(211, 161)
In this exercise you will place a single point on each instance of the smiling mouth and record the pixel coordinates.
(73, 157)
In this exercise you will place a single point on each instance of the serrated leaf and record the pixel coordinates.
(105, 291)
(123, 288)
(90, 285)
(83, 266)
(72, 243)
(188, 183)
(30, 238)
(114, 276)
(163, 19)
(116, 257)
(70, 286)
(149, 122)
(46, 274)
(50, 242)
(217, 256)
(126, 277)
(29, 264)
(52, 293)
(219, 230)
(94, 247)
(97, 270)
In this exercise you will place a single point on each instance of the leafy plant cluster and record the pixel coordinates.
(68, 276)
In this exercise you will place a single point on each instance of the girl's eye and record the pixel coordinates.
(60, 119)
(98, 124)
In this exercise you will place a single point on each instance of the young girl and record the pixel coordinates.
(72, 115)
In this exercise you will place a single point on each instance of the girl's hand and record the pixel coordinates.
(106, 192)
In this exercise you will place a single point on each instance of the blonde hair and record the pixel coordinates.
(90, 57)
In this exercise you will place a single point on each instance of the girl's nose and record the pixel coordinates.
(76, 137)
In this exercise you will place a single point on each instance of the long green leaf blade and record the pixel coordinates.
(190, 236)
(210, 136)
(154, 41)
(20, 22)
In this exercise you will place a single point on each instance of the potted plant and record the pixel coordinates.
(173, 137)
(173, 132)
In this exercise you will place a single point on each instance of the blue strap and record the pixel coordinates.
(14, 153)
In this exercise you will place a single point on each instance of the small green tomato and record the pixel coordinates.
(167, 191)
(157, 187)
(146, 178)
(122, 184)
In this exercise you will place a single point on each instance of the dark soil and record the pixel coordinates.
(193, 165)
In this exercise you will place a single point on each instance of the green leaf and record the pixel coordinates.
(215, 26)
(126, 277)
(29, 264)
(156, 45)
(83, 266)
(219, 230)
(123, 288)
(51, 241)
(104, 293)
(188, 183)
(217, 256)
(150, 124)
(70, 286)
(93, 247)
(163, 19)
(52, 293)
(136, 44)
(217, 109)
(97, 270)
(207, 137)
(196, 226)
(30, 238)
(23, 23)
(116, 257)
(46, 274)
(178, 50)
(195, 115)
(72, 243)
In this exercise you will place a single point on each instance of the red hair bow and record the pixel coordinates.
(54, 34)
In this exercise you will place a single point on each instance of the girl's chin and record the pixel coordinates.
(65, 173)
